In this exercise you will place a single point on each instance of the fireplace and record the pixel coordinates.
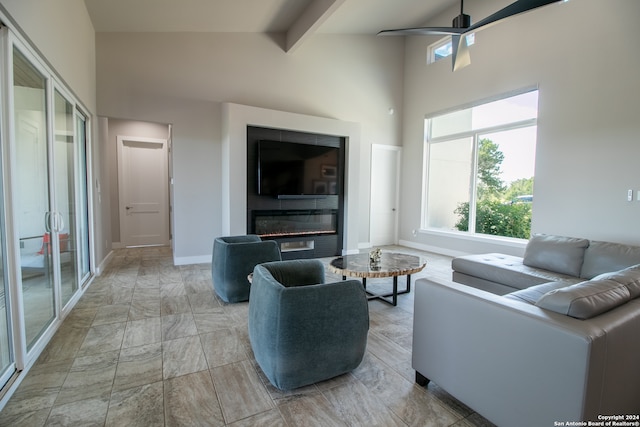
(291, 223)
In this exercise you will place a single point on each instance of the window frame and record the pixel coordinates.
(476, 135)
(431, 50)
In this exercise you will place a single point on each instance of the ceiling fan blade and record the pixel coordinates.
(515, 8)
(460, 56)
(423, 31)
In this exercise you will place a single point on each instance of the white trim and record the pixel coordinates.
(121, 139)
(104, 264)
(199, 259)
(117, 245)
(482, 238)
(432, 249)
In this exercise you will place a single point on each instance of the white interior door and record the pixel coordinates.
(385, 186)
(143, 176)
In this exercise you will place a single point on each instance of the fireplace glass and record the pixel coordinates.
(285, 223)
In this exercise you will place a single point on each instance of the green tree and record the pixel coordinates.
(495, 215)
(520, 187)
(489, 160)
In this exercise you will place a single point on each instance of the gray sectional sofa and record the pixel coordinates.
(550, 336)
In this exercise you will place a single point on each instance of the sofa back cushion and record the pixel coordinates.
(587, 299)
(556, 253)
(630, 277)
(603, 257)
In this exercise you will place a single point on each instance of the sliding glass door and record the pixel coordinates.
(44, 204)
(84, 262)
(7, 366)
(31, 196)
(64, 149)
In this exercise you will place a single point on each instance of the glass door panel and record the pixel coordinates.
(65, 200)
(6, 355)
(32, 196)
(83, 211)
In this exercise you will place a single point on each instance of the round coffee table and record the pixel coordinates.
(391, 264)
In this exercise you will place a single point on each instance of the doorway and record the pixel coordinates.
(143, 186)
(385, 186)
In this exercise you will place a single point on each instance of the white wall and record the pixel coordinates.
(62, 31)
(584, 57)
(184, 79)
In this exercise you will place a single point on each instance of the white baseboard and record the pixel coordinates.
(429, 248)
(364, 245)
(103, 265)
(200, 259)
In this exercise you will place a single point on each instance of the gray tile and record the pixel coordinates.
(138, 366)
(178, 326)
(144, 308)
(240, 391)
(64, 344)
(182, 356)
(270, 418)
(141, 332)
(90, 377)
(82, 413)
(311, 410)
(222, 347)
(137, 407)
(103, 338)
(24, 419)
(111, 314)
(174, 305)
(357, 405)
(212, 321)
(191, 400)
(172, 289)
(203, 301)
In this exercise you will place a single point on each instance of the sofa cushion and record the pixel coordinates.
(602, 257)
(630, 277)
(532, 294)
(556, 253)
(586, 299)
(505, 269)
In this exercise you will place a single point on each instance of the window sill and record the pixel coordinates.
(482, 238)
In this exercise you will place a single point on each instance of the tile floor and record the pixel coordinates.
(149, 344)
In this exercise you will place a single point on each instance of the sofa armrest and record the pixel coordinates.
(513, 363)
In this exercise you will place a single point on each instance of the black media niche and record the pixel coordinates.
(295, 190)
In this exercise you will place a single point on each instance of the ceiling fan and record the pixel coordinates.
(462, 25)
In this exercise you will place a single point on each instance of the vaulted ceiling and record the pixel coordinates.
(298, 19)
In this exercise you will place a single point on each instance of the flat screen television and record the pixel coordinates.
(294, 169)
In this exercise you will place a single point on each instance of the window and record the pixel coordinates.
(443, 48)
(480, 167)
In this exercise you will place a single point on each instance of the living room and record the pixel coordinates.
(585, 111)
(580, 54)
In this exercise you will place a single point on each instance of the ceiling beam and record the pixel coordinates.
(313, 16)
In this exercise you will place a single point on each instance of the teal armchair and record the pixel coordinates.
(233, 259)
(302, 330)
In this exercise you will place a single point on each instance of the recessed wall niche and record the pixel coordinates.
(308, 225)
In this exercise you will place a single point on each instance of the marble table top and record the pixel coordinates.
(391, 264)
